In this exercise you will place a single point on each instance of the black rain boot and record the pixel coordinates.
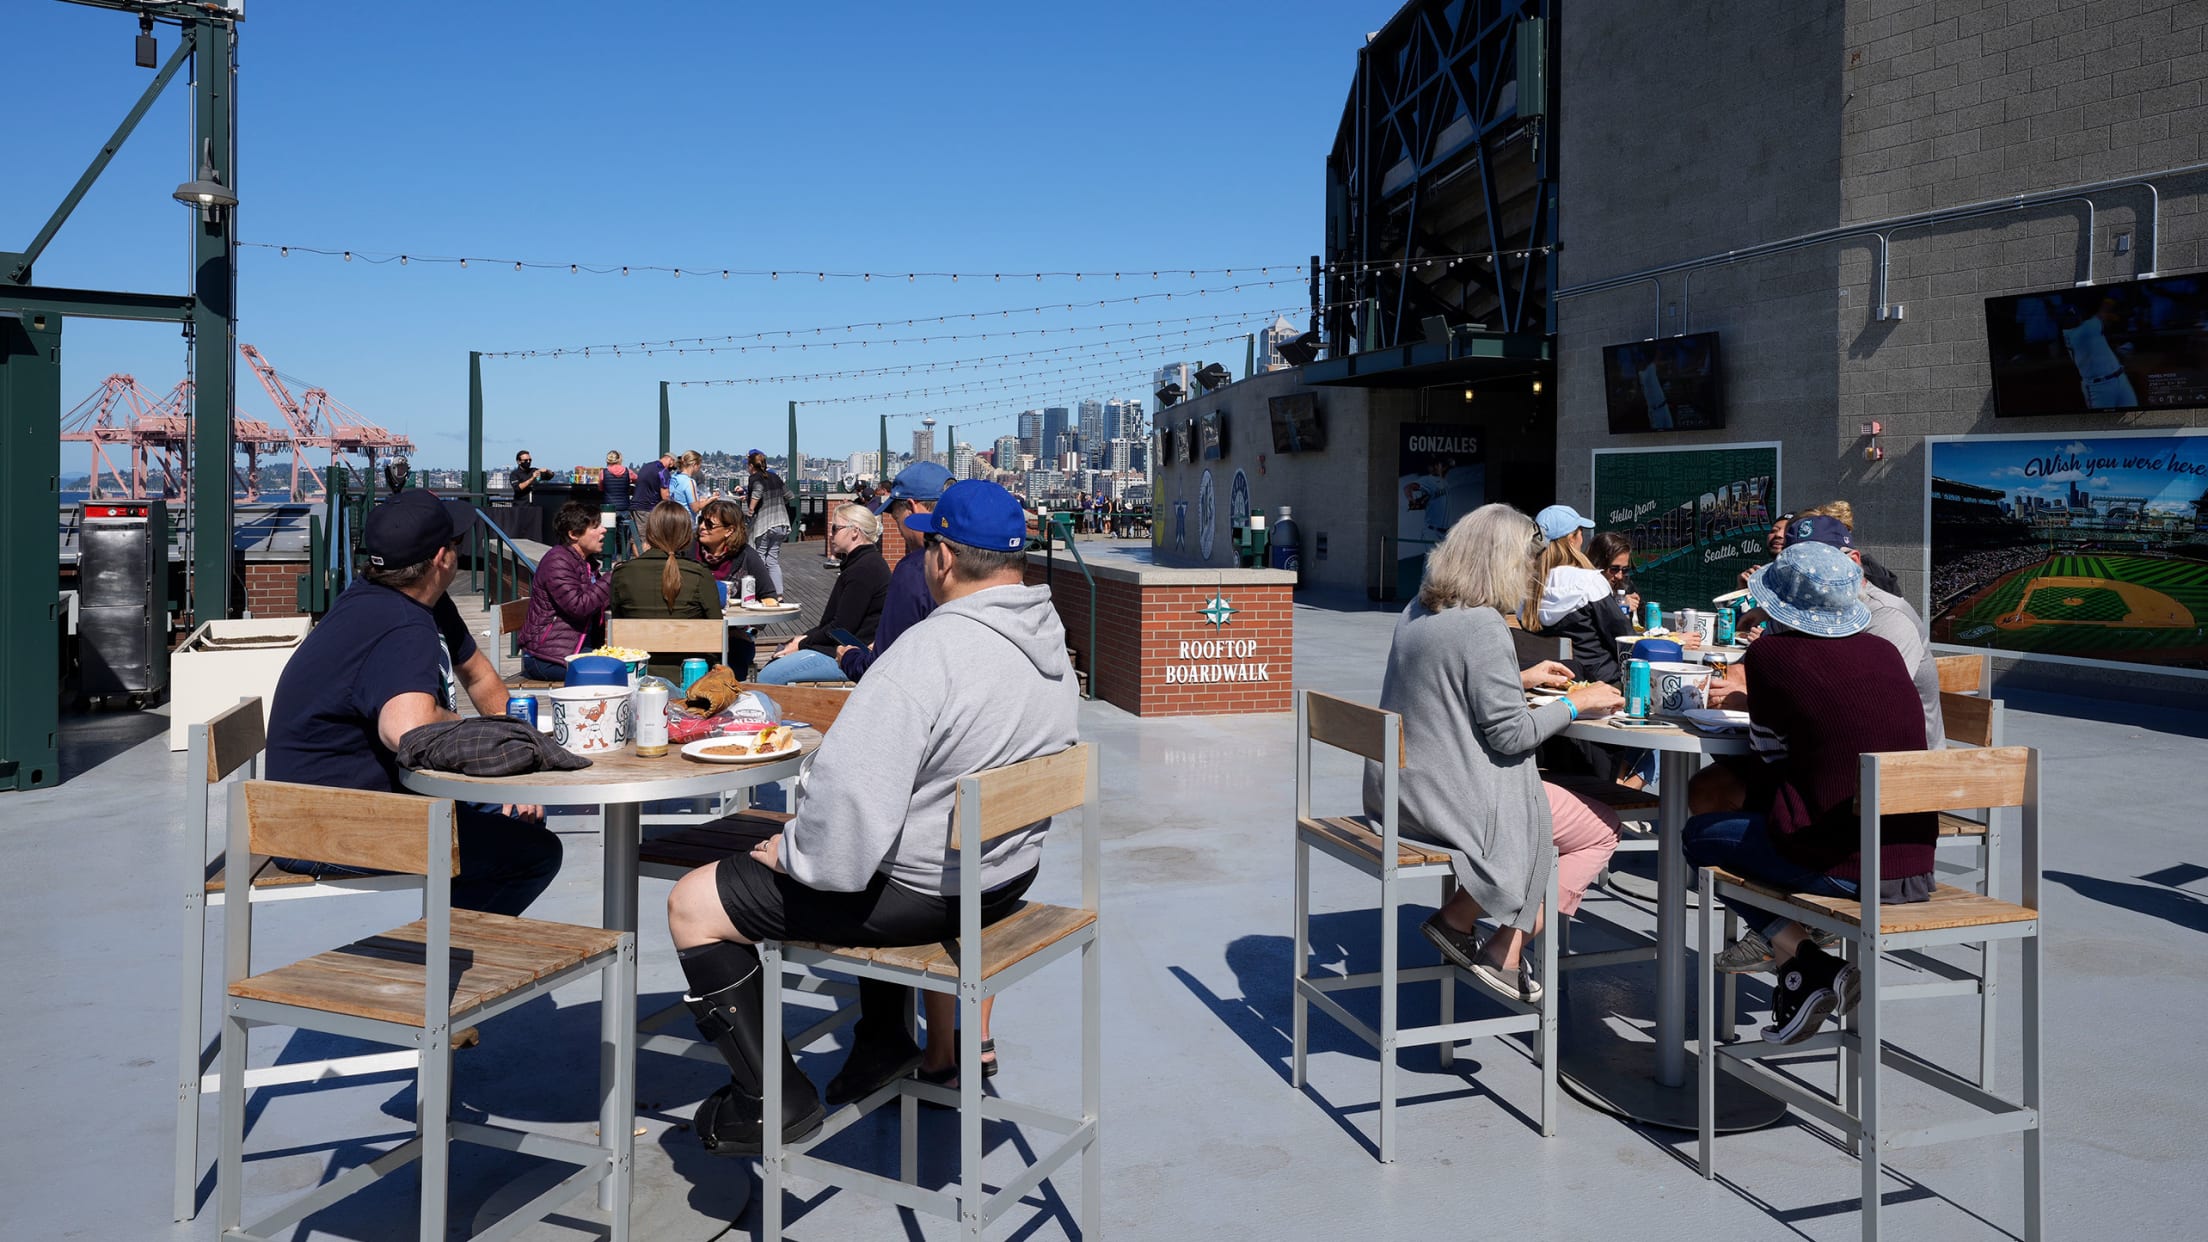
(881, 1050)
(728, 1122)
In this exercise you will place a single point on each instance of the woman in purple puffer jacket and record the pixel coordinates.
(567, 602)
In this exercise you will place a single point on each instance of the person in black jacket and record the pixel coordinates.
(854, 604)
(1577, 601)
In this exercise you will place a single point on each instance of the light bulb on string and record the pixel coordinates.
(402, 260)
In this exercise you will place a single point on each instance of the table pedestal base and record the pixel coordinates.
(1620, 1078)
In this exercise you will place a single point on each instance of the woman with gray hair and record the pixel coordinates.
(854, 603)
(1468, 783)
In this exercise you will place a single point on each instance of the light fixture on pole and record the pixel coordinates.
(1213, 377)
(1301, 351)
(207, 193)
(1169, 395)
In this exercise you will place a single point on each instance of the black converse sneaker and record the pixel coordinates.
(1813, 986)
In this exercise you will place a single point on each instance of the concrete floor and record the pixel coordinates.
(1202, 1135)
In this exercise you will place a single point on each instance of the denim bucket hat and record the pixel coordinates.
(1814, 588)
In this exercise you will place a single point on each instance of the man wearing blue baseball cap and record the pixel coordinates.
(981, 683)
(915, 490)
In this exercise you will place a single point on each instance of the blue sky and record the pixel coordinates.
(885, 138)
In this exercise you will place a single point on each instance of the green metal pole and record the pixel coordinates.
(950, 448)
(30, 646)
(794, 471)
(1249, 362)
(666, 423)
(475, 426)
(794, 497)
(881, 463)
(214, 318)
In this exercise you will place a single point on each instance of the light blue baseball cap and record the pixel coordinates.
(1559, 521)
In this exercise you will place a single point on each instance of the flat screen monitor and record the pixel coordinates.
(1671, 383)
(1296, 423)
(1211, 436)
(1184, 440)
(2100, 349)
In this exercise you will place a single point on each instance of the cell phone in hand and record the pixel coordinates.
(846, 638)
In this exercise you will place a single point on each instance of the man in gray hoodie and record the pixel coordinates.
(981, 683)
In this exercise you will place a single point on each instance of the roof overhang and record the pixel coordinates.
(1464, 355)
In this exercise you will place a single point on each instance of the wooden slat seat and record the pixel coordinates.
(519, 682)
(380, 977)
(1007, 942)
(1949, 907)
(266, 874)
(1356, 833)
(1953, 825)
(698, 844)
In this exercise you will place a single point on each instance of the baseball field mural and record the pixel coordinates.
(2087, 547)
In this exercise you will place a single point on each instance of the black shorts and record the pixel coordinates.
(765, 904)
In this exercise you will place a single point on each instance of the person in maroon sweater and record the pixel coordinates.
(1826, 693)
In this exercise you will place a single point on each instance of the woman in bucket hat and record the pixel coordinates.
(1825, 693)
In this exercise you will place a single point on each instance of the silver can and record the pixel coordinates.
(651, 717)
(750, 590)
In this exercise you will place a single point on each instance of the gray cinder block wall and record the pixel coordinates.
(1688, 128)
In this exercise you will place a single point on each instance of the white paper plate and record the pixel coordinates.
(1717, 718)
(697, 750)
(768, 608)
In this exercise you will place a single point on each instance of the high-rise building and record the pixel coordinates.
(1122, 456)
(1031, 433)
(923, 443)
(962, 460)
(1007, 452)
(867, 465)
(1182, 374)
(1123, 419)
(1054, 427)
(1269, 342)
(1092, 428)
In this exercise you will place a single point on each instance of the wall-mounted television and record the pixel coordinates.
(1671, 383)
(2100, 349)
(1184, 440)
(1211, 435)
(1296, 426)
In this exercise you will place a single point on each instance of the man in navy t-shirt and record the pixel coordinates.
(393, 655)
(651, 484)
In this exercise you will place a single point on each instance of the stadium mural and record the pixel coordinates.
(1696, 517)
(2072, 547)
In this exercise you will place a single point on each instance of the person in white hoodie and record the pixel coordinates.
(982, 682)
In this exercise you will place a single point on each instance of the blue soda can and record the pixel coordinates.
(522, 707)
(692, 669)
(1636, 688)
(1725, 626)
(1652, 615)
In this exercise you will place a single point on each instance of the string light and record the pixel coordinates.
(821, 274)
(1179, 341)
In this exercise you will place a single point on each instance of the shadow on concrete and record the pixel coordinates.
(87, 741)
(2157, 717)
(2168, 904)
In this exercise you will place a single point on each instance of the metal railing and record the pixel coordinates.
(1063, 523)
(497, 566)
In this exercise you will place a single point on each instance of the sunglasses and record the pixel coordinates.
(1616, 571)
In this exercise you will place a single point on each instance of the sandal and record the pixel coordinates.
(989, 1058)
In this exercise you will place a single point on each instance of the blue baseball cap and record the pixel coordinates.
(977, 513)
(922, 480)
(1558, 521)
(1819, 529)
(1814, 588)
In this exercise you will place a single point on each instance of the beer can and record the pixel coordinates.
(522, 707)
(1725, 626)
(1652, 615)
(651, 717)
(692, 669)
(1636, 688)
(750, 589)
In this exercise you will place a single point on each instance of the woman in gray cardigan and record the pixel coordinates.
(1469, 783)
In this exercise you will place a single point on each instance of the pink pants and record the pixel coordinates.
(1586, 836)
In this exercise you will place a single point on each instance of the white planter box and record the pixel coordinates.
(224, 661)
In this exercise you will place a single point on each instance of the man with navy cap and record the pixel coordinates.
(915, 490)
(981, 683)
(392, 655)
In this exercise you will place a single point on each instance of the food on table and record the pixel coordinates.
(765, 742)
(628, 654)
(770, 601)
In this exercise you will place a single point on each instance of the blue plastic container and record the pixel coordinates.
(1658, 650)
(597, 671)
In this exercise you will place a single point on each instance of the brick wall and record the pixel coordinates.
(1139, 633)
(272, 587)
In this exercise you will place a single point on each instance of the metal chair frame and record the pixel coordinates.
(1309, 989)
(968, 1202)
(1861, 1049)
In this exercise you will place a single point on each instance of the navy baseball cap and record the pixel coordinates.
(409, 528)
(977, 513)
(1819, 529)
(922, 480)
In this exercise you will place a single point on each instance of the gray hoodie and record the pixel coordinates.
(981, 683)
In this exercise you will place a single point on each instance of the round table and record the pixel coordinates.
(620, 783)
(737, 617)
(1651, 1082)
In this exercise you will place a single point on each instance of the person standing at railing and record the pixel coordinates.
(767, 505)
(568, 596)
(618, 483)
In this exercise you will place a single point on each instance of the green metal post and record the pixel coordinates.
(214, 318)
(1249, 362)
(881, 463)
(666, 423)
(30, 461)
(476, 491)
(794, 497)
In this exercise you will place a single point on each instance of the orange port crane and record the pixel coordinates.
(318, 420)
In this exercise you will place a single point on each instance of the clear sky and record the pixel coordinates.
(888, 138)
